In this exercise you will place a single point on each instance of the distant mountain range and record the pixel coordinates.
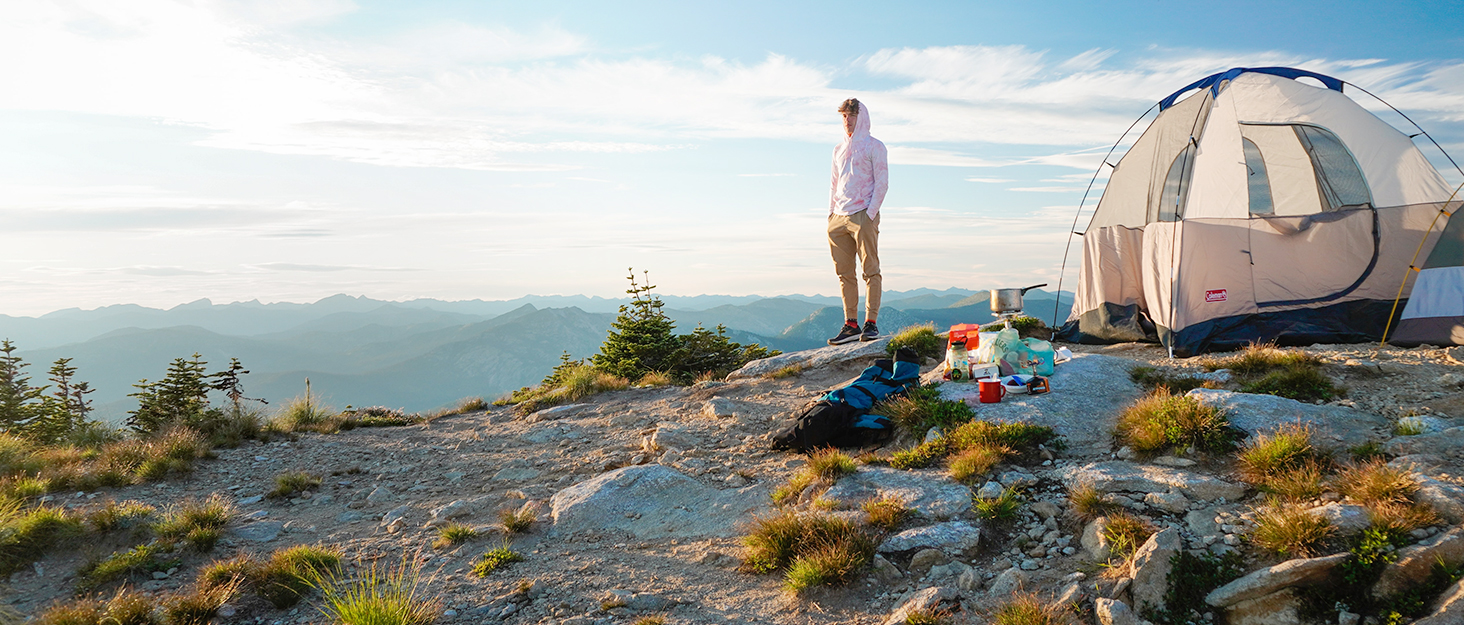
(422, 354)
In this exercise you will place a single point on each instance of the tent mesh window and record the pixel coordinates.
(1176, 185)
(1257, 180)
(1338, 175)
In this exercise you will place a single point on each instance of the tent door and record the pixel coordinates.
(1296, 261)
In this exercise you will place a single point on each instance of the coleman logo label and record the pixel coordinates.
(1217, 295)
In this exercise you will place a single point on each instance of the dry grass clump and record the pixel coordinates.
(1289, 447)
(1375, 482)
(1302, 482)
(975, 462)
(306, 413)
(1027, 609)
(1260, 358)
(1089, 503)
(1291, 531)
(518, 521)
(453, 534)
(1271, 370)
(286, 576)
(291, 483)
(199, 523)
(886, 513)
(1162, 420)
(126, 515)
(135, 561)
(199, 606)
(654, 619)
(1399, 518)
(379, 597)
(127, 607)
(574, 383)
(785, 372)
(1125, 533)
(656, 379)
(927, 616)
(813, 550)
(825, 466)
(1022, 439)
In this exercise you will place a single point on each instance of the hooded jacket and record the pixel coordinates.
(861, 174)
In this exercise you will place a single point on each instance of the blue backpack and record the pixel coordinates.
(841, 417)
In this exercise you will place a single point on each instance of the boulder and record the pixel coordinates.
(653, 502)
(925, 599)
(925, 559)
(1269, 580)
(1438, 443)
(455, 510)
(673, 437)
(1348, 519)
(1277, 608)
(1445, 498)
(1151, 567)
(884, 571)
(951, 537)
(556, 412)
(719, 407)
(809, 358)
(969, 582)
(951, 572)
(1045, 509)
(1112, 612)
(1416, 561)
(1094, 541)
(933, 494)
(1084, 418)
(1120, 476)
(1202, 522)
(1342, 426)
(1448, 609)
(1174, 503)
(1008, 583)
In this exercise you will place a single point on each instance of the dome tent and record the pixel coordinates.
(1257, 208)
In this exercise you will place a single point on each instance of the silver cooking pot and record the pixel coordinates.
(1009, 300)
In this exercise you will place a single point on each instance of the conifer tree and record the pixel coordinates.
(180, 397)
(640, 340)
(19, 407)
(228, 382)
(64, 409)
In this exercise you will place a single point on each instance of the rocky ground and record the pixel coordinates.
(644, 494)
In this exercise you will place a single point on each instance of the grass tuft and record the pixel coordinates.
(785, 372)
(195, 522)
(135, 561)
(1299, 382)
(830, 464)
(126, 515)
(1125, 533)
(920, 338)
(1288, 447)
(656, 379)
(290, 573)
(291, 483)
(1374, 482)
(1259, 359)
(1291, 531)
(199, 606)
(26, 535)
(1089, 503)
(574, 383)
(1002, 508)
(1162, 420)
(518, 521)
(1027, 609)
(829, 561)
(886, 513)
(1151, 378)
(812, 550)
(654, 619)
(379, 597)
(453, 534)
(1302, 482)
(1022, 439)
(974, 462)
(927, 616)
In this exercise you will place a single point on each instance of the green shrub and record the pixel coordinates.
(1161, 420)
(923, 409)
(1191, 578)
(496, 559)
(376, 417)
(1022, 439)
(1125, 533)
(921, 338)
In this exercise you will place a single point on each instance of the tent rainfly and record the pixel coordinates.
(1263, 208)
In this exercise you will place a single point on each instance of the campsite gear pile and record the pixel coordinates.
(841, 417)
(997, 358)
(1261, 207)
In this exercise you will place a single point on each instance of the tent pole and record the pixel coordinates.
(1415, 125)
(1413, 263)
(1071, 231)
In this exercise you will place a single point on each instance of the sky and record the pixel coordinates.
(162, 151)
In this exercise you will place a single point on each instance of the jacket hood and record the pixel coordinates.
(861, 125)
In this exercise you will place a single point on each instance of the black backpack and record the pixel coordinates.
(832, 421)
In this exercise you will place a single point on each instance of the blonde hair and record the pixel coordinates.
(849, 106)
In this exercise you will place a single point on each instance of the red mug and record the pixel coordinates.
(992, 391)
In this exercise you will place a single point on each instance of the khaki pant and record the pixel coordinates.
(851, 236)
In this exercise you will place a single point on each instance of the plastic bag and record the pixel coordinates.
(1040, 356)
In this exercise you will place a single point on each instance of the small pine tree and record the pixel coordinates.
(180, 397)
(19, 406)
(229, 383)
(65, 409)
(641, 338)
(704, 351)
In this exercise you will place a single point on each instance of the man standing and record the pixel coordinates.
(861, 177)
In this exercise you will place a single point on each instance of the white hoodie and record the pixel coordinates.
(861, 175)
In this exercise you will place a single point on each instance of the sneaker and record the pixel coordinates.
(847, 334)
(870, 332)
